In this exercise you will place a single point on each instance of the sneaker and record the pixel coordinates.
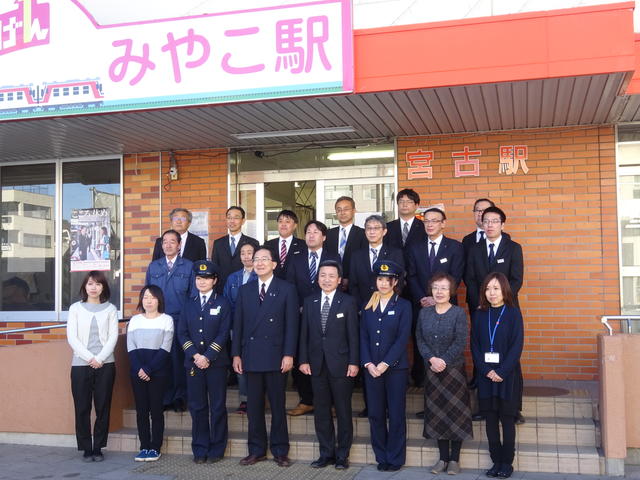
(152, 455)
(453, 468)
(242, 409)
(142, 456)
(439, 467)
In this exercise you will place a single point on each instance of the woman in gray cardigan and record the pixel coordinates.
(441, 336)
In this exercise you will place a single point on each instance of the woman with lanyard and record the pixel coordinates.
(496, 345)
(385, 327)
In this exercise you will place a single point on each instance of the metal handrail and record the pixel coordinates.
(628, 318)
(46, 327)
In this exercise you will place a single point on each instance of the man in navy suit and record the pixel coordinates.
(226, 250)
(406, 229)
(479, 206)
(346, 238)
(303, 273)
(330, 354)
(286, 245)
(436, 254)
(192, 247)
(363, 281)
(265, 339)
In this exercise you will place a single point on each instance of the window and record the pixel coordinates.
(1, 97)
(76, 90)
(37, 211)
(85, 90)
(65, 92)
(37, 241)
(56, 92)
(9, 96)
(19, 95)
(10, 208)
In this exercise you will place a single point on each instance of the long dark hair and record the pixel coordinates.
(507, 294)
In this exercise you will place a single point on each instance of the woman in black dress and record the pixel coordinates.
(497, 338)
(441, 336)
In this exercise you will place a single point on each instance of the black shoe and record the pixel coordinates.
(505, 471)
(232, 379)
(179, 405)
(364, 413)
(87, 456)
(394, 468)
(98, 456)
(322, 462)
(420, 414)
(493, 471)
(476, 417)
(383, 467)
(214, 459)
(199, 460)
(342, 464)
(520, 419)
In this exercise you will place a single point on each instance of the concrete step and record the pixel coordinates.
(420, 452)
(537, 430)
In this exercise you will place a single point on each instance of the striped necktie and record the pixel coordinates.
(375, 257)
(263, 293)
(313, 266)
(283, 252)
(343, 241)
(233, 246)
(405, 233)
(324, 314)
(492, 254)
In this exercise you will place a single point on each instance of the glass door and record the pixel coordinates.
(629, 218)
(372, 195)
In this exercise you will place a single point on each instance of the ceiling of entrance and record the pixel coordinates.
(584, 100)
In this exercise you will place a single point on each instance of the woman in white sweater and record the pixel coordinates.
(92, 333)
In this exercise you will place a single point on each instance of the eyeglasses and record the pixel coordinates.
(405, 202)
(495, 221)
(477, 210)
(431, 221)
(261, 260)
(373, 229)
(177, 218)
(439, 288)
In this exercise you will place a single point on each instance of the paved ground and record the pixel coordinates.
(19, 462)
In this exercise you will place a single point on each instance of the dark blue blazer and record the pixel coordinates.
(393, 237)
(384, 335)
(227, 263)
(177, 285)
(298, 273)
(362, 281)
(195, 249)
(449, 259)
(205, 330)
(355, 241)
(339, 346)
(263, 334)
(297, 248)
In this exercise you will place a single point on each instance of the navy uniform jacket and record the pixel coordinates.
(508, 260)
(297, 247)
(393, 237)
(384, 336)
(227, 263)
(263, 334)
(298, 273)
(355, 241)
(362, 282)
(449, 259)
(177, 285)
(205, 330)
(339, 346)
(194, 249)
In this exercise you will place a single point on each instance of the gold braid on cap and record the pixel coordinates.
(376, 297)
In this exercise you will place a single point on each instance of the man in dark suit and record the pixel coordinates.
(330, 354)
(406, 229)
(474, 237)
(226, 250)
(346, 238)
(424, 259)
(363, 282)
(265, 339)
(192, 247)
(286, 245)
(303, 273)
(497, 253)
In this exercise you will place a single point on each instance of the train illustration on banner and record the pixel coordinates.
(51, 96)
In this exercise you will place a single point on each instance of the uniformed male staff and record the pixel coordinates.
(203, 332)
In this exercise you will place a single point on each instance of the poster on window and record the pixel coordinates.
(90, 234)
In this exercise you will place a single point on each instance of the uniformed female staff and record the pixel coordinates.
(385, 327)
(496, 345)
(92, 333)
(203, 331)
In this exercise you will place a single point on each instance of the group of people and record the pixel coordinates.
(340, 304)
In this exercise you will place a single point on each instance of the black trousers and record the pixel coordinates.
(148, 397)
(90, 385)
(328, 390)
(274, 384)
(501, 452)
(303, 385)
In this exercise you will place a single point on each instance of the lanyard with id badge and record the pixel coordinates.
(491, 356)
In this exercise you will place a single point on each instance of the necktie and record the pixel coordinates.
(324, 314)
(169, 265)
(492, 255)
(283, 252)
(263, 293)
(405, 233)
(313, 268)
(204, 301)
(432, 254)
(245, 276)
(481, 236)
(375, 257)
(343, 241)
(233, 246)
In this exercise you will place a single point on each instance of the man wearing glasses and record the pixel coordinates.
(474, 237)
(192, 247)
(406, 229)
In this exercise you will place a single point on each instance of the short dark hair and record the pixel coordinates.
(319, 225)
(376, 218)
(437, 210)
(265, 247)
(507, 293)
(453, 287)
(344, 198)
(99, 277)
(172, 231)
(176, 210)
(154, 290)
(288, 213)
(475, 204)
(410, 193)
(331, 263)
(236, 207)
(503, 217)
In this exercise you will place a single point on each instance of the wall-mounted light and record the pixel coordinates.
(293, 133)
(361, 155)
(173, 166)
